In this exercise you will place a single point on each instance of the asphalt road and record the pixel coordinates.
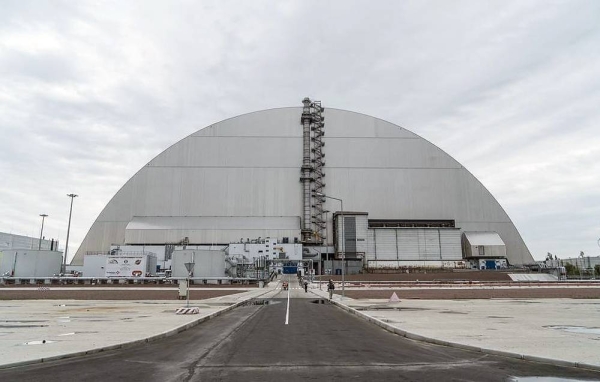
(320, 342)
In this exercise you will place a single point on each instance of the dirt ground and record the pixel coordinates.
(492, 279)
(43, 294)
(427, 276)
(149, 285)
(425, 294)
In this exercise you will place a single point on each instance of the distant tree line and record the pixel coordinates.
(572, 270)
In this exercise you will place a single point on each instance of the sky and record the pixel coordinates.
(90, 91)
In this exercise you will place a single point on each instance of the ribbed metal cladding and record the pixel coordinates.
(450, 244)
(429, 243)
(387, 248)
(371, 254)
(408, 244)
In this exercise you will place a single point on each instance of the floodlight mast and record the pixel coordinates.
(64, 270)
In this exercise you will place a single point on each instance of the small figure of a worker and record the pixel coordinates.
(305, 286)
(330, 288)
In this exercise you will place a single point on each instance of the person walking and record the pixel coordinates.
(330, 288)
(305, 286)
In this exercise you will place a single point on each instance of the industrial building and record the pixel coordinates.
(9, 241)
(28, 257)
(336, 183)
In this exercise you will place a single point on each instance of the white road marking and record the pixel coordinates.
(287, 313)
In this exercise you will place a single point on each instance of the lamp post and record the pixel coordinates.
(64, 270)
(581, 254)
(343, 239)
(321, 262)
(41, 231)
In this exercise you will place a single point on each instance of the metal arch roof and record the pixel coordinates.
(213, 222)
(248, 166)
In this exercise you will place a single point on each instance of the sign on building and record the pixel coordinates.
(126, 266)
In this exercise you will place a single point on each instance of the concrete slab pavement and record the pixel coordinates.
(34, 331)
(557, 331)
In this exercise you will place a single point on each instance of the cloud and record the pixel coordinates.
(92, 91)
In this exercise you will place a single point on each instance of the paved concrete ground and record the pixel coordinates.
(519, 326)
(73, 326)
(561, 329)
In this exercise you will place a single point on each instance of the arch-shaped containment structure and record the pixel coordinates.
(240, 178)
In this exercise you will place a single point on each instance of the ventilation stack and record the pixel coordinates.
(313, 223)
(306, 169)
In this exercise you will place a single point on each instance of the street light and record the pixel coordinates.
(41, 231)
(581, 254)
(321, 262)
(343, 239)
(64, 270)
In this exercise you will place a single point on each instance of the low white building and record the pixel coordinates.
(30, 263)
(483, 244)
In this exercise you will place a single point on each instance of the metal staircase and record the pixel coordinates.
(313, 225)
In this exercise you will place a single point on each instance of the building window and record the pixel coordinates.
(481, 250)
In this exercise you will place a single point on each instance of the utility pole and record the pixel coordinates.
(64, 270)
(343, 239)
(41, 231)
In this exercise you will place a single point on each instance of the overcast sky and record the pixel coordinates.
(90, 91)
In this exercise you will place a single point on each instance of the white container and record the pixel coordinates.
(30, 263)
(206, 263)
(141, 265)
